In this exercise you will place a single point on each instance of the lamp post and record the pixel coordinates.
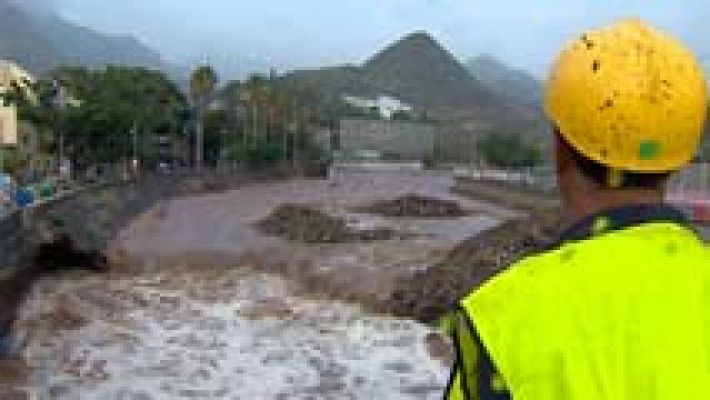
(59, 102)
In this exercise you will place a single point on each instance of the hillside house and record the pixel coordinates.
(385, 106)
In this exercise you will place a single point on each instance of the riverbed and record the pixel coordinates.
(199, 304)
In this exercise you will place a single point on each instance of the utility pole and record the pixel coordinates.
(60, 102)
(134, 139)
(199, 139)
(255, 122)
(284, 133)
(293, 128)
(61, 148)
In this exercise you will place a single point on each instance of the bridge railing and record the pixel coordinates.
(537, 179)
(689, 190)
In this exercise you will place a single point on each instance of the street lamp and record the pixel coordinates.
(60, 100)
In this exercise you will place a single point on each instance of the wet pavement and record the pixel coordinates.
(201, 305)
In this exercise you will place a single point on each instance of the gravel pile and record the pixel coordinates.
(416, 206)
(429, 294)
(304, 224)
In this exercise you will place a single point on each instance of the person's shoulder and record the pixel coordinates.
(654, 240)
(518, 274)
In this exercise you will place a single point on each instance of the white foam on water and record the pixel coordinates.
(250, 340)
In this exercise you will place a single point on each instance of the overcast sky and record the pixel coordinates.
(291, 34)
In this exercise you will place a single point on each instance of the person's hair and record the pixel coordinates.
(599, 173)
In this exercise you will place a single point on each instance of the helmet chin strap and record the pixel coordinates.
(614, 178)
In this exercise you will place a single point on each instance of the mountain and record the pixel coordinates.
(416, 69)
(21, 41)
(517, 86)
(40, 42)
(420, 71)
(705, 61)
(329, 84)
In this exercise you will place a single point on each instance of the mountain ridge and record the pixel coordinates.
(415, 69)
(418, 58)
(43, 42)
(518, 86)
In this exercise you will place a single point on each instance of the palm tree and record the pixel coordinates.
(231, 94)
(202, 84)
(281, 102)
(256, 89)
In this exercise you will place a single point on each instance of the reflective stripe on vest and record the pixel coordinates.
(624, 315)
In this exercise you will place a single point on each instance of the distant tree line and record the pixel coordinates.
(506, 150)
(119, 113)
(102, 116)
(263, 119)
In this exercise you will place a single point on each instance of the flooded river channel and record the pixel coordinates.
(200, 305)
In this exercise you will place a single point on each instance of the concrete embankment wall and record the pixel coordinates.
(71, 229)
(15, 271)
(11, 241)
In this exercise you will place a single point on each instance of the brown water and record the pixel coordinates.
(193, 313)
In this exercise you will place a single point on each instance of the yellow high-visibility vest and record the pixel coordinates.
(623, 315)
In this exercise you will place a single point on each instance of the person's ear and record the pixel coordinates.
(563, 156)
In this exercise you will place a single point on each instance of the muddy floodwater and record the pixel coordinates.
(212, 334)
(201, 305)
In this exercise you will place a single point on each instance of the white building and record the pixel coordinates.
(12, 75)
(386, 106)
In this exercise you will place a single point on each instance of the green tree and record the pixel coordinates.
(255, 95)
(267, 120)
(202, 85)
(120, 112)
(509, 151)
(216, 128)
(11, 161)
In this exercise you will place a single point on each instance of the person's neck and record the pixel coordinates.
(599, 200)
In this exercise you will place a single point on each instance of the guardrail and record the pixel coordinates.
(695, 205)
(689, 190)
(542, 180)
(379, 166)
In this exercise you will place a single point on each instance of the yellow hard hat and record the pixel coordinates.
(629, 97)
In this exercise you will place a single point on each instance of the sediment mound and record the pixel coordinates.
(416, 206)
(304, 224)
(429, 294)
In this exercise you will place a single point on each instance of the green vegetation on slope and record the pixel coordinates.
(509, 151)
(110, 104)
(415, 69)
